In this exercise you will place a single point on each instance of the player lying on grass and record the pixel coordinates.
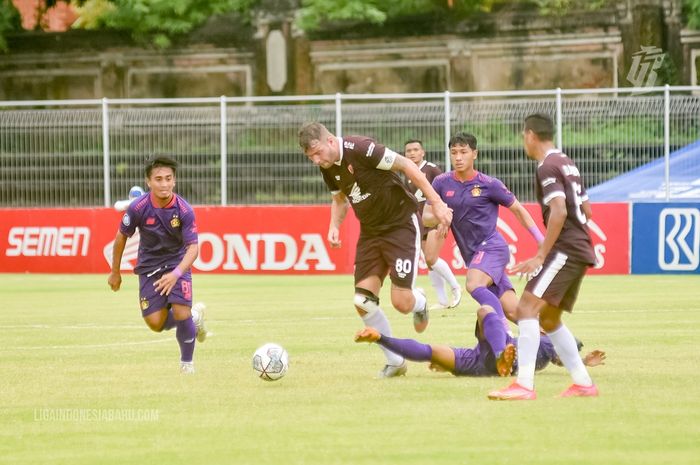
(482, 359)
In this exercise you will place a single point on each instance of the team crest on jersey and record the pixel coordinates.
(175, 222)
(126, 219)
(476, 191)
(144, 303)
(352, 171)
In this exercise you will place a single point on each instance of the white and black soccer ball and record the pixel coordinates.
(270, 362)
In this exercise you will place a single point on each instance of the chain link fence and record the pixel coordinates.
(236, 151)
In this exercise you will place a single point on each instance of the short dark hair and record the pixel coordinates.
(159, 161)
(463, 138)
(541, 124)
(413, 141)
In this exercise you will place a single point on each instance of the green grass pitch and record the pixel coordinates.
(72, 345)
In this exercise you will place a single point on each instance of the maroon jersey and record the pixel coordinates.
(431, 171)
(380, 200)
(557, 176)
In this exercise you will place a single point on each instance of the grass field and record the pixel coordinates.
(71, 343)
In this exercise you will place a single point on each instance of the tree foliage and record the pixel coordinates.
(9, 21)
(692, 12)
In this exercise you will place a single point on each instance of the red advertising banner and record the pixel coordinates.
(260, 239)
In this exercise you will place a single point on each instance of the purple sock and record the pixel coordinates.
(408, 348)
(185, 334)
(169, 321)
(494, 333)
(486, 297)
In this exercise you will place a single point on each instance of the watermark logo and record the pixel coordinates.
(96, 414)
(645, 63)
(679, 239)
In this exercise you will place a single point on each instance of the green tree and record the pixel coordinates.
(157, 21)
(9, 21)
(692, 13)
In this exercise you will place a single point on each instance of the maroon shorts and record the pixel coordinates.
(151, 301)
(395, 253)
(558, 281)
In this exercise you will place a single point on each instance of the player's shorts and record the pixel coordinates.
(151, 301)
(395, 253)
(492, 259)
(558, 280)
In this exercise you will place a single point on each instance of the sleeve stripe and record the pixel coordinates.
(554, 194)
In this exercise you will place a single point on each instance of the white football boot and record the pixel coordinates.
(198, 318)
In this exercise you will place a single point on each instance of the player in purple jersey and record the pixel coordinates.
(479, 360)
(558, 268)
(474, 199)
(168, 246)
(361, 172)
(439, 271)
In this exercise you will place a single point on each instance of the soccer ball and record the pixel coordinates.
(135, 192)
(270, 362)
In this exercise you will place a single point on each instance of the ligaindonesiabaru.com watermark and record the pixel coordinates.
(96, 414)
(645, 63)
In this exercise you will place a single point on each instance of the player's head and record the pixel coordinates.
(463, 151)
(318, 144)
(538, 128)
(160, 176)
(414, 151)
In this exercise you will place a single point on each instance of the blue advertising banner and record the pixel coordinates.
(666, 238)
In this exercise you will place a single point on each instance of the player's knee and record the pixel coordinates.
(430, 259)
(153, 325)
(483, 311)
(472, 286)
(549, 321)
(403, 302)
(365, 301)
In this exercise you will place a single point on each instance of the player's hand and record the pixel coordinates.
(594, 358)
(114, 281)
(165, 283)
(528, 267)
(443, 213)
(334, 237)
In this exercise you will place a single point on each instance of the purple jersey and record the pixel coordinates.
(431, 171)
(379, 199)
(165, 232)
(557, 176)
(481, 361)
(474, 205)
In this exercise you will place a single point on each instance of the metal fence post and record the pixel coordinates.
(224, 149)
(105, 151)
(667, 141)
(448, 130)
(559, 118)
(338, 116)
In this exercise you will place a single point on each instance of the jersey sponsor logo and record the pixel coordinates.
(356, 195)
(679, 239)
(348, 145)
(476, 191)
(150, 221)
(126, 219)
(48, 241)
(175, 222)
(370, 150)
(450, 194)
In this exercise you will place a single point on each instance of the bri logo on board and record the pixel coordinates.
(679, 239)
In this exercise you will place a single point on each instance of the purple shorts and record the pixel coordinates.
(479, 361)
(151, 301)
(493, 260)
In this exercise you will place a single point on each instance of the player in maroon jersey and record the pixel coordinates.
(558, 268)
(361, 172)
(167, 248)
(439, 271)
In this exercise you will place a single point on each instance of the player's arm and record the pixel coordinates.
(524, 218)
(339, 209)
(555, 223)
(115, 277)
(587, 210)
(411, 171)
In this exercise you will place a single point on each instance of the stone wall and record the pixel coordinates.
(496, 52)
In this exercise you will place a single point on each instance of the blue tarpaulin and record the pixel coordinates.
(647, 183)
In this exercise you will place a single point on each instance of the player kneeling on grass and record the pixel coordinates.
(167, 249)
(495, 354)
